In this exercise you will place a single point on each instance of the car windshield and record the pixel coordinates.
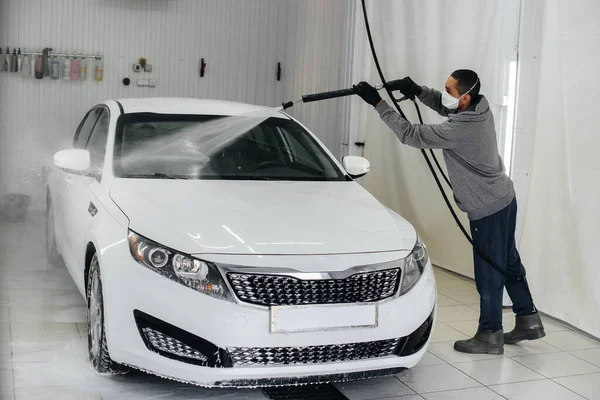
(163, 146)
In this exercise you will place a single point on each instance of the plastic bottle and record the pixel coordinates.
(67, 68)
(6, 62)
(32, 64)
(39, 67)
(14, 63)
(26, 67)
(99, 71)
(55, 68)
(83, 69)
(19, 60)
(75, 69)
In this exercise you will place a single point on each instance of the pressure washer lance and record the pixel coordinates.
(307, 98)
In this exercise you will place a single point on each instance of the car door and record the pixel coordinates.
(85, 200)
(63, 189)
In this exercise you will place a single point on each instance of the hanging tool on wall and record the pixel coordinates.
(19, 60)
(278, 71)
(202, 67)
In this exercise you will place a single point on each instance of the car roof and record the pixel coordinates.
(179, 105)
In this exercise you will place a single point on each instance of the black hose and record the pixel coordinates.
(438, 164)
(437, 179)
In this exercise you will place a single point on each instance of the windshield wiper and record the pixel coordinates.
(160, 175)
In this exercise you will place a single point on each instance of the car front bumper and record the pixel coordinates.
(131, 288)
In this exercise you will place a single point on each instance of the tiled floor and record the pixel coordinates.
(43, 354)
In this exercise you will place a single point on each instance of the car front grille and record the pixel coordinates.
(265, 356)
(281, 290)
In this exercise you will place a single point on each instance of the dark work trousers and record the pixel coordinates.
(494, 236)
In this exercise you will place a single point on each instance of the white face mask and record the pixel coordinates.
(451, 103)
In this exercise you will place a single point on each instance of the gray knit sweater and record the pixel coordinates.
(468, 139)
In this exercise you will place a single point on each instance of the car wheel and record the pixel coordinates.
(52, 254)
(97, 347)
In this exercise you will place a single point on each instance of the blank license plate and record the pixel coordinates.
(323, 317)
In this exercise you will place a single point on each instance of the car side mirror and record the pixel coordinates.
(74, 161)
(356, 166)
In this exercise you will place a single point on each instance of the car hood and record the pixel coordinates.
(261, 217)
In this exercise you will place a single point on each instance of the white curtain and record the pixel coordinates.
(562, 219)
(427, 40)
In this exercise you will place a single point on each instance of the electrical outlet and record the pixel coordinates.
(137, 67)
(148, 68)
(147, 82)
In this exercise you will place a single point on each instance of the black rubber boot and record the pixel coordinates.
(484, 342)
(527, 327)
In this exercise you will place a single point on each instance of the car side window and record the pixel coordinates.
(82, 135)
(97, 142)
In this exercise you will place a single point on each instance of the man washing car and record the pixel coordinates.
(481, 189)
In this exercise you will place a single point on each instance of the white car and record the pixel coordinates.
(259, 263)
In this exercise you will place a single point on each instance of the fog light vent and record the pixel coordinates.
(165, 343)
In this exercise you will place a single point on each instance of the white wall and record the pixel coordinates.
(562, 220)
(241, 41)
(428, 40)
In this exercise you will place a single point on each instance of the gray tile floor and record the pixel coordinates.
(43, 354)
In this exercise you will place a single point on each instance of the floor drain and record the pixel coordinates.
(316, 392)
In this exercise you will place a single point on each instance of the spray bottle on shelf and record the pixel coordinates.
(14, 64)
(19, 60)
(55, 68)
(39, 67)
(83, 69)
(32, 64)
(26, 67)
(5, 60)
(67, 68)
(75, 69)
(46, 61)
(99, 72)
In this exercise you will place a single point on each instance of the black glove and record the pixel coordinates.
(406, 86)
(368, 93)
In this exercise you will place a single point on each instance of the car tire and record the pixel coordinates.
(97, 347)
(52, 254)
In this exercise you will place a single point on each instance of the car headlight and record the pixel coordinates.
(414, 265)
(192, 272)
